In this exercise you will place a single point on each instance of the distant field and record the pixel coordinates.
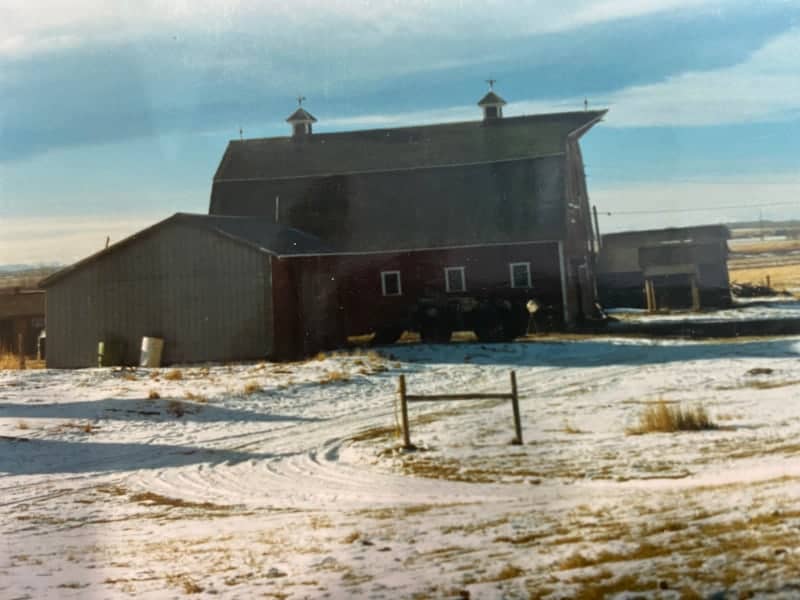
(781, 277)
(759, 247)
(25, 279)
(752, 261)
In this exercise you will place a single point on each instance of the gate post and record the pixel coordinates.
(401, 388)
(515, 406)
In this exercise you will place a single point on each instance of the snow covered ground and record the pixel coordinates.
(744, 309)
(286, 481)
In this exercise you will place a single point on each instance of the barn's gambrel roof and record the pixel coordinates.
(375, 150)
(259, 233)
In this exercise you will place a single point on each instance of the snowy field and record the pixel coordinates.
(285, 480)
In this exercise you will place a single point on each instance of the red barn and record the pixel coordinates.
(490, 181)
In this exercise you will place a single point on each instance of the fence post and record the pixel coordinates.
(21, 350)
(515, 406)
(401, 388)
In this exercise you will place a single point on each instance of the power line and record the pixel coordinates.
(705, 209)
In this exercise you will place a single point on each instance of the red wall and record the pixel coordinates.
(318, 300)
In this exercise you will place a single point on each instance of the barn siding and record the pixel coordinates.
(508, 201)
(207, 296)
(323, 298)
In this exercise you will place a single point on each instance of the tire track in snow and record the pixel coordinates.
(305, 441)
(313, 474)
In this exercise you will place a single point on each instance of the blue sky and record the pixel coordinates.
(114, 115)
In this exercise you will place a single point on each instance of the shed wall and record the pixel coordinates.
(207, 296)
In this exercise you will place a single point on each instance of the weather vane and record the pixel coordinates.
(300, 100)
(491, 83)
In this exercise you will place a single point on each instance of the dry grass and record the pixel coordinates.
(9, 361)
(252, 387)
(87, 427)
(174, 375)
(570, 428)
(335, 377)
(600, 590)
(153, 499)
(353, 536)
(765, 246)
(509, 571)
(663, 418)
(176, 408)
(576, 560)
(196, 397)
(780, 276)
(153, 395)
(184, 581)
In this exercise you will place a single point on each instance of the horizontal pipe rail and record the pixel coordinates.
(438, 397)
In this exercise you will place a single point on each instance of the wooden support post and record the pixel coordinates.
(21, 350)
(650, 294)
(401, 389)
(515, 405)
(695, 294)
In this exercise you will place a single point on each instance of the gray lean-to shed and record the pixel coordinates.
(203, 283)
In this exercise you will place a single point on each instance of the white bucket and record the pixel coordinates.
(151, 352)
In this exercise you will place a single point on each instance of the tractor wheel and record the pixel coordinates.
(502, 326)
(435, 333)
(387, 335)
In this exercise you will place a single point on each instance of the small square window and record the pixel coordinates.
(390, 283)
(454, 279)
(520, 275)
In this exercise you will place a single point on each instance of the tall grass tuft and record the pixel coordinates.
(9, 361)
(663, 418)
(252, 387)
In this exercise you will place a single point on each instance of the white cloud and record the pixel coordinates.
(28, 27)
(765, 87)
(610, 10)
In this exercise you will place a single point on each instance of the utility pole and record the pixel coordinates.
(596, 227)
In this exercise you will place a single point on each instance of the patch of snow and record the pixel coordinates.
(288, 479)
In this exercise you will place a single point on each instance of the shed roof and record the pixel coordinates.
(259, 233)
(449, 144)
(673, 234)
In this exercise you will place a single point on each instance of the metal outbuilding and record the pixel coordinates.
(202, 283)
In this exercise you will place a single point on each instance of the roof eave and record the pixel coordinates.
(580, 131)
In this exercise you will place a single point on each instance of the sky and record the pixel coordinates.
(114, 115)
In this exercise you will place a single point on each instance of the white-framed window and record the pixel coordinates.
(520, 274)
(390, 283)
(454, 280)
